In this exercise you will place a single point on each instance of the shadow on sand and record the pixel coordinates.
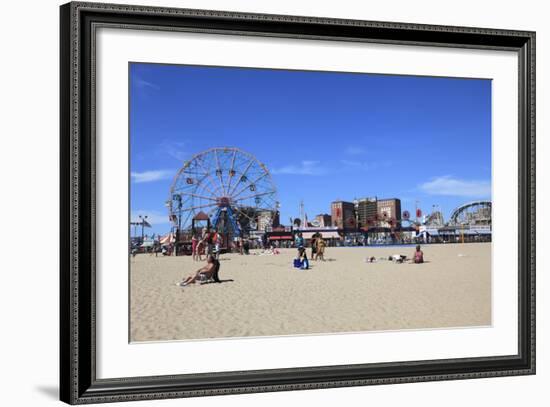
(230, 280)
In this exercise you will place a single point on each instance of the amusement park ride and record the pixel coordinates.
(226, 190)
(477, 213)
(469, 215)
(227, 184)
(472, 218)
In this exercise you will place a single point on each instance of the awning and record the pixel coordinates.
(477, 232)
(285, 237)
(326, 235)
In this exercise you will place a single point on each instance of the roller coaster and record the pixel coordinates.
(472, 214)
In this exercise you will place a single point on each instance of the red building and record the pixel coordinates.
(343, 215)
(389, 212)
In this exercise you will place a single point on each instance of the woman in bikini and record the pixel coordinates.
(206, 271)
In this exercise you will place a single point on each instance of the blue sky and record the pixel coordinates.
(324, 136)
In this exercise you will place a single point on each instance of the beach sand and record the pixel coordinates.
(264, 295)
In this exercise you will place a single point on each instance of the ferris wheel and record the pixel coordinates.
(227, 184)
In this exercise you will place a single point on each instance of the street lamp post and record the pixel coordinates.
(177, 197)
(142, 219)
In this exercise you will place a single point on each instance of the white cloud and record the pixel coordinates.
(306, 167)
(151, 176)
(355, 150)
(141, 83)
(154, 217)
(447, 185)
(363, 165)
(175, 149)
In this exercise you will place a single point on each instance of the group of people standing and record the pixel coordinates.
(209, 243)
(318, 245)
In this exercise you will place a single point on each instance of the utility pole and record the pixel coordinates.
(142, 219)
(302, 214)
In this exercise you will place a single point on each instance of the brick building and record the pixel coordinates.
(366, 210)
(389, 210)
(343, 215)
(323, 220)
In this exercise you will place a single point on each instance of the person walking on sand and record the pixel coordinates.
(207, 271)
(299, 241)
(207, 241)
(194, 244)
(200, 249)
(240, 245)
(314, 238)
(418, 256)
(321, 244)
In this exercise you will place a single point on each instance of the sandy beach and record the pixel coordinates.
(264, 295)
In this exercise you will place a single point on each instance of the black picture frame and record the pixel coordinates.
(78, 382)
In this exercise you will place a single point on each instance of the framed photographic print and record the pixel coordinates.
(255, 203)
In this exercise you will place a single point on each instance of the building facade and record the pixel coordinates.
(366, 211)
(343, 215)
(267, 220)
(389, 212)
(323, 220)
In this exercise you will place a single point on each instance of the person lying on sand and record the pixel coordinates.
(207, 271)
(269, 252)
(398, 258)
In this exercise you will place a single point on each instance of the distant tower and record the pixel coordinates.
(302, 214)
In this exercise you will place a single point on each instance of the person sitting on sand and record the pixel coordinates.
(212, 265)
(418, 255)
